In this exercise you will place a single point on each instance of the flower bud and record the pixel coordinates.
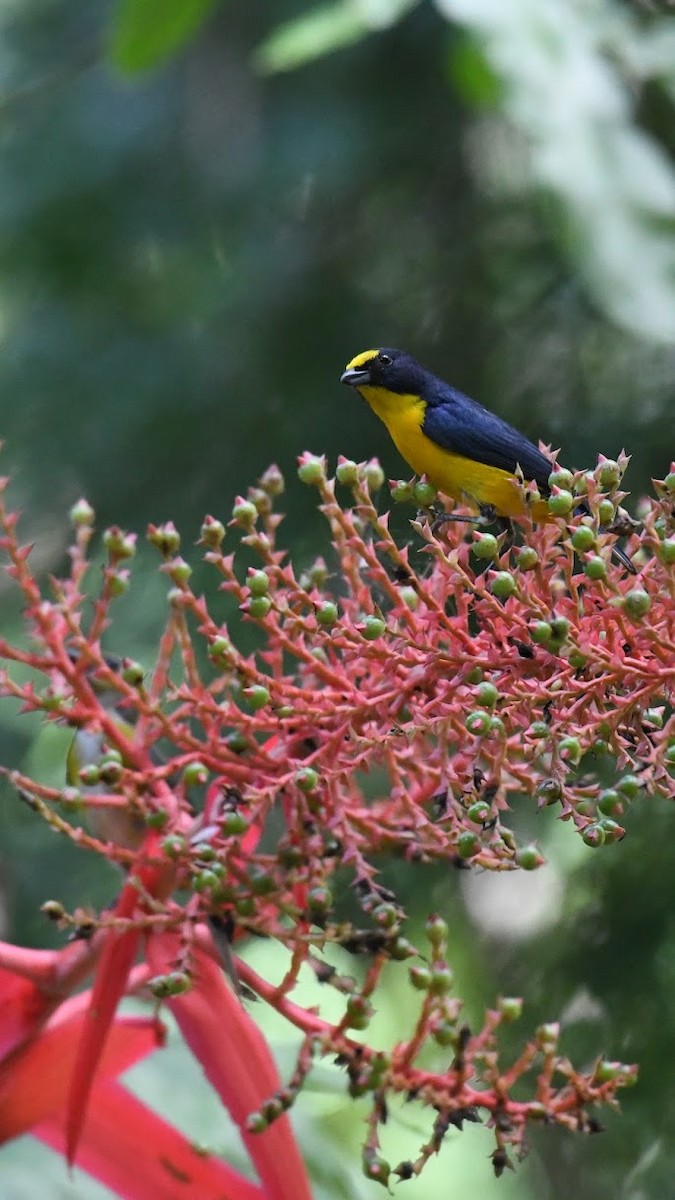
(373, 475)
(212, 533)
(312, 469)
(347, 472)
(401, 492)
(82, 514)
(165, 538)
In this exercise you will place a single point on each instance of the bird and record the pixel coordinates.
(465, 451)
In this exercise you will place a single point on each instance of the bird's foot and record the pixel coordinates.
(486, 515)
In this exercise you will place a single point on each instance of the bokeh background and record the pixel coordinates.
(205, 211)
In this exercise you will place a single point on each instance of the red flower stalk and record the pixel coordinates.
(475, 672)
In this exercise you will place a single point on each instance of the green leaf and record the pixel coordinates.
(564, 90)
(324, 29)
(147, 32)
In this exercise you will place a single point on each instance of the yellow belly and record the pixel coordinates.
(462, 478)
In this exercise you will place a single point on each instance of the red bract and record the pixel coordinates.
(462, 670)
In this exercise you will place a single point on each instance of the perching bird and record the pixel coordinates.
(465, 451)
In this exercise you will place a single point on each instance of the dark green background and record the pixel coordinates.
(188, 257)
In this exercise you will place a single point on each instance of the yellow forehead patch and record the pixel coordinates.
(362, 359)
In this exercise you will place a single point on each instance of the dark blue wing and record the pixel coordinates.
(462, 426)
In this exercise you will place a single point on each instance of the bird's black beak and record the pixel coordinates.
(355, 376)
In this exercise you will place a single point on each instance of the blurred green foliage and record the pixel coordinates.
(205, 211)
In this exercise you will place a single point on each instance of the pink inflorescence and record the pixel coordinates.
(402, 697)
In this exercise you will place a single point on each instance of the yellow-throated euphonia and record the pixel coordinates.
(466, 451)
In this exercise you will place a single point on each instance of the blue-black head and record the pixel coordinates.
(386, 368)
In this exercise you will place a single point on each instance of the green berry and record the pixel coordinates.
(373, 475)
(402, 492)
(257, 696)
(245, 514)
(667, 550)
(542, 632)
(637, 603)
(503, 585)
(478, 722)
(547, 1036)
(561, 503)
(595, 568)
(562, 479)
(82, 514)
(424, 494)
(527, 558)
(132, 672)
(610, 802)
(594, 835)
(118, 582)
(510, 1008)
(605, 512)
(195, 774)
(539, 729)
(259, 607)
(173, 984)
(583, 539)
(569, 749)
(420, 978)
(480, 812)
(468, 844)
(165, 538)
(347, 472)
(409, 597)
(487, 694)
(212, 533)
(654, 716)
(608, 474)
(441, 979)
(307, 779)
(233, 824)
(312, 469)
(373, 628)
(577, 658)
(327, 614)
(528, 858)
(486, 546)
(629, 786)
(258, 582)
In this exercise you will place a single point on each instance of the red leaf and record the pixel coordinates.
(237, 1063)
(140, 1156)
(116, 961)
(35, 1079)
(22, 1008)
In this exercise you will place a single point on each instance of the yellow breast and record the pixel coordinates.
(462, 478)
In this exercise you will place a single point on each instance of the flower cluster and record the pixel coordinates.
(462, 670)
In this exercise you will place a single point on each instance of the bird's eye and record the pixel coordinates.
(385, 360)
